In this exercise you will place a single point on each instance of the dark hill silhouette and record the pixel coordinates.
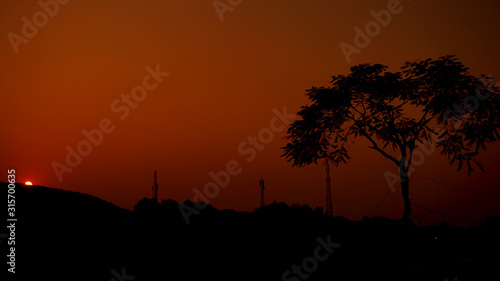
(64, 235)
(68, 235)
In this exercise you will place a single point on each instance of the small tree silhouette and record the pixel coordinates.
(396, 112)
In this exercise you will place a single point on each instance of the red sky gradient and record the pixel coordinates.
(225, 79)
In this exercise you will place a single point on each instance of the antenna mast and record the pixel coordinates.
(262, 187)
(155, 186)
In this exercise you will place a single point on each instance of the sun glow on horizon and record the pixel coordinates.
(28, 183)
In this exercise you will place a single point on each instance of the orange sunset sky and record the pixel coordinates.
(225, 78)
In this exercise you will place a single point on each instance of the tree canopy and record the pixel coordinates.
(380, 105)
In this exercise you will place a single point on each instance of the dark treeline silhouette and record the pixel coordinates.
(64, 235)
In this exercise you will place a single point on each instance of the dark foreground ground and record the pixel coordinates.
(63, 235)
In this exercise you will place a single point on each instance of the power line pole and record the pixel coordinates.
(329, 211)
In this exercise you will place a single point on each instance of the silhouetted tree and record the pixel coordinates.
(430, 102)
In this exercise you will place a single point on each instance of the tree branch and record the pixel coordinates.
(365, 134)
(361, 114)
(377, 148)
(422, 123)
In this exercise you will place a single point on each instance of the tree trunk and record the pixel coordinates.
(405, 190)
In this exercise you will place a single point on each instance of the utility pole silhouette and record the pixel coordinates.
(262, 187)
(155, 187)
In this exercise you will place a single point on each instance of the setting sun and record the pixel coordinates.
(28, 183)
